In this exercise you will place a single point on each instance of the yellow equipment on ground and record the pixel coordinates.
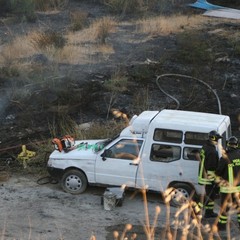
(25, 155)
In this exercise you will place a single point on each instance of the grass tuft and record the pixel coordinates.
(23, 9)
(42, 40)
(125, 6)
(48, 5)
(103, 27)
(163, 25)
(193, 48)
(78, 20)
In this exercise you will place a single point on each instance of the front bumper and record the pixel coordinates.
(55, 173)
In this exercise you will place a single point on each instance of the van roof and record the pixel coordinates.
(176, 119)
(188, 117)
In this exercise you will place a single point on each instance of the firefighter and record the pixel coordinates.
(228, 179)
(207, 165)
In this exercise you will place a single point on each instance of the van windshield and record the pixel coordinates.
(102, 144)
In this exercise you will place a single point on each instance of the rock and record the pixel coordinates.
(84, 126)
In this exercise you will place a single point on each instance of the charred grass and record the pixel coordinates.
(39, 91)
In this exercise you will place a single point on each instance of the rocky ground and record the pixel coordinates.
(138, 57)
(33, 210)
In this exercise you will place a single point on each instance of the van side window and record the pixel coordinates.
(191, 153)
(125, 149)
(195, 138)
(165, 153)
(167, 135)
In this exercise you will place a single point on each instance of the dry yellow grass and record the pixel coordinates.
(166, 25)
(46, 5)
(86, 46)
(19, 48)
(90, 44)
(12, 55)
(78, 19)
(163, 25)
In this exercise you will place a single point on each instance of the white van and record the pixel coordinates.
(157, 150)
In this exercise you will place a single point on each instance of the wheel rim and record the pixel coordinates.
(73, 183)
(180, 196)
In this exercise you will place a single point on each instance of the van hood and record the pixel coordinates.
(83, 149)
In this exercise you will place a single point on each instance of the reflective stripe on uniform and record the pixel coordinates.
(204, 181)
(222, 219)
(200, 205)
(210, 205)
(230, 189)
(238, 217)
(210, 174)
(230, 174)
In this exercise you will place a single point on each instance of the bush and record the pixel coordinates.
(138, 6)
(104, 27)
(45, 5)
(23, 9)
(4, 7)
(125, 6)
(78, 20)
(42, 40)
(193, 48)
(8, 71)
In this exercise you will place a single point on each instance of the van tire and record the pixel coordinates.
(74, 182)
(186, 191)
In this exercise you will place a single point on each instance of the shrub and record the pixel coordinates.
(99, 130)
(8, 71)
(141, 100)
(62, 124)
(23, 9)
(78, 20)
(235, 44)
(116, 84)
(42, 40)
(45, 5)
(4, 7)
(124, 6)
(103, 28)
(193, 48)
(138, 6)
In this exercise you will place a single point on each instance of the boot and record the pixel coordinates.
(210, 214)
(221, 226)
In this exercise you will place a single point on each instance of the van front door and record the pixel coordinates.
(118, 164)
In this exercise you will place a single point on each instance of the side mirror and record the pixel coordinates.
(107, 153)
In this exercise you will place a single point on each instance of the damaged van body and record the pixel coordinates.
(156, 151)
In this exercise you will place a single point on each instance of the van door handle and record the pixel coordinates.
(134, 164)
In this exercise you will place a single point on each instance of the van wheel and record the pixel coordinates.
(182, 194)
(74, 182)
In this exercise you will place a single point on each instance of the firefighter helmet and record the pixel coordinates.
(232, 142)
(214, 135)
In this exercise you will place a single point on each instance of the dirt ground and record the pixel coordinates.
(33, 210)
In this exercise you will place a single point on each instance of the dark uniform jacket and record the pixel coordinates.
(209, 158)
(233, 157)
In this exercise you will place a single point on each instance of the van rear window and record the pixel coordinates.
(195, 138)
(167, 135)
